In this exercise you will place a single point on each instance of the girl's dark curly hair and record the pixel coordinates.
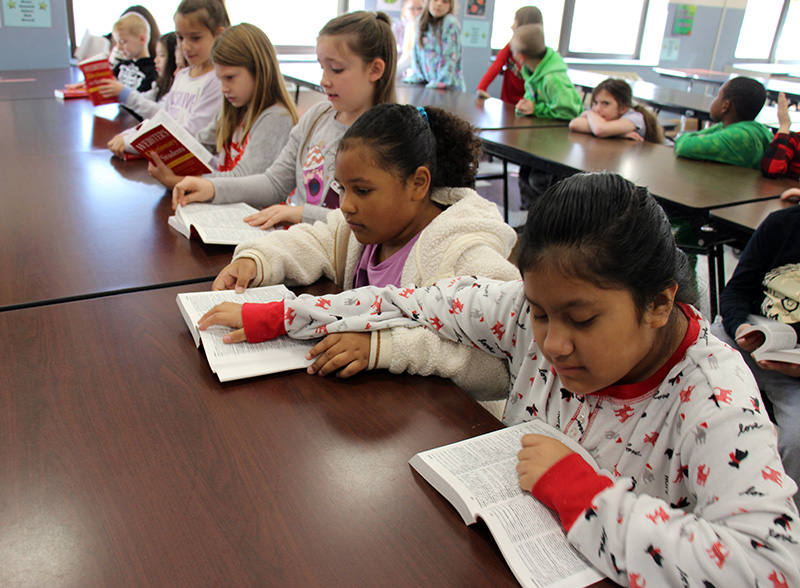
(400, 138)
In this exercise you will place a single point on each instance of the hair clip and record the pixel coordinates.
(424, 114)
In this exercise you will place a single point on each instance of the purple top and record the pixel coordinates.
(386, 273)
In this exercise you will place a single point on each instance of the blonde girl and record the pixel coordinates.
(257, 114)
(195, 97)
(613, 114)
(358, 57)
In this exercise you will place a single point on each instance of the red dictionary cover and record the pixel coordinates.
(95, 69)
(67, 93)
(171, 151)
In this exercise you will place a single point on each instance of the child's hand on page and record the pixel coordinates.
(160, 171)
(539, 453)
(348, 352)
(791, 195)
(117, 145)
(109, 88)
(237, 275)
(277, 214)
(749, 342)
(192, 189)
(228, 314)
(787, 369)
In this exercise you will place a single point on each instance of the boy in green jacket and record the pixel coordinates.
(549, 93)
(736, 138)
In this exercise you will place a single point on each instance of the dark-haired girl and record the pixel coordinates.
(602, 343)
(408, 216)
(613, 114)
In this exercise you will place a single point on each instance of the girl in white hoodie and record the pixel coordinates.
(408, 216)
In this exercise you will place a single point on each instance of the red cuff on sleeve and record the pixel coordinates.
(569, 488)
(263, 322)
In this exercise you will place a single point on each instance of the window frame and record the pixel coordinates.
(773, 51)
(566, 33)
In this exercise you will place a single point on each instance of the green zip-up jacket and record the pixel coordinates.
(551, 90)
(741, 143)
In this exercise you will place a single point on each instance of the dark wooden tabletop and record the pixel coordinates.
(75, 220)
(697, 185)
(741, 221)
(36, 83)
(126, 463)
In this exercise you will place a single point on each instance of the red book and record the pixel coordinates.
(95, 70)
(67, 93)
(173, 144)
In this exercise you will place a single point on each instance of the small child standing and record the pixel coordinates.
(195, 97)
(436, 59)
(257, 114)
(408, 216)
(603, 344)
(613, 114)
(736, 139)
(549, 93)
(358, 57)
(513, 88)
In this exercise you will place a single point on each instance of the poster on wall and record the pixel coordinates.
(27, 13)
(476, 8)
(684, 19)
(475, 34)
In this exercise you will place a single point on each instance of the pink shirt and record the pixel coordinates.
(386, 273)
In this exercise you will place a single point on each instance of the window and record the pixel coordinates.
(613, 29)
(279, 20)
(503, 18)
(757, 34)
(767, 31)
(787, 43)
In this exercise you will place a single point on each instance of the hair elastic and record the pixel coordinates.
(424, 114)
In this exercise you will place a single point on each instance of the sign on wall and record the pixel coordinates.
(27, 13)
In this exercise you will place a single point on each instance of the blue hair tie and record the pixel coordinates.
(424, 114)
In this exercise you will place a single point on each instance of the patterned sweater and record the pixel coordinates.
(436, 59)
(468, 236)
(699, 496)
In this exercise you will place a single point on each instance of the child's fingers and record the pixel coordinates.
(236, 336)
(177, 195)
(354, 367)
(227, 313)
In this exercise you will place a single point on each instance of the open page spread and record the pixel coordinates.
(242, 360)
(217, 224)
(780, 340)
(478, 476)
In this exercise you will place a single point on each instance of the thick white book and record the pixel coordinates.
(234, 361)
(479, 478)
(780, 340)
(216, 224)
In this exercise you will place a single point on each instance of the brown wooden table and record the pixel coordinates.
(36, 83)
(740, 222)
(695, 185)
(75, 221)
(686, 188)
(124, 462)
